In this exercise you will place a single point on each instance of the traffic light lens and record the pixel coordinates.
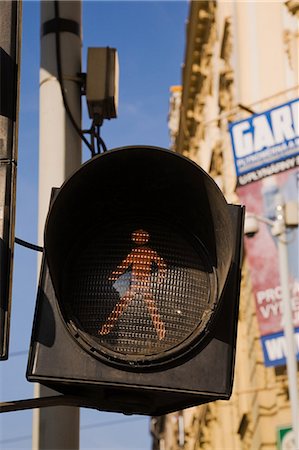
(138, 290)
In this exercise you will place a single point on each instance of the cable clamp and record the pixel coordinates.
(59, 25)
(77, 79)
(7, 161)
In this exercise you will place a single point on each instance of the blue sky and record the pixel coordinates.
(150, 39)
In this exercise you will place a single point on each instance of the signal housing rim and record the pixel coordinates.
(128, 154)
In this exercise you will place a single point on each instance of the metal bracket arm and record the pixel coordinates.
(39, 402)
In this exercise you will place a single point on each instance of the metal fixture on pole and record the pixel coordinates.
(60, 155)
(278, 229)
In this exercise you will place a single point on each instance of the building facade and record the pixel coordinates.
(241, 58)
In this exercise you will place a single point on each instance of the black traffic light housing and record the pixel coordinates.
(137, 305)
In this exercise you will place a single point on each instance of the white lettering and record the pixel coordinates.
(260, 295)
(282, 124)
(242, 139)
(271, 309)
(295, 112)
(277, 167)
(266, 137)
(269, 295)
(262, 133)
(276, 348)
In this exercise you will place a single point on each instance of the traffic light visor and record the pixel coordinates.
(139, 244)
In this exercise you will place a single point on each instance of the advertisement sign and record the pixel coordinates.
(266, 143)
(261, 199)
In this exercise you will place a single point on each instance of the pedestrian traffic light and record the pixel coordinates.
(138, 298)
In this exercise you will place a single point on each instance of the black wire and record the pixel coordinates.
(100, 142)
(93, 134)
(28, 245)
(83, 427)
(60, 79)
(92, 137)
(93, 152)
(16, 439)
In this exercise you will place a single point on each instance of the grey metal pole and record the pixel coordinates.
(60, 154)
(10, 45)
(288, 321)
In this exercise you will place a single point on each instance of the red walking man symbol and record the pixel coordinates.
(140, 259)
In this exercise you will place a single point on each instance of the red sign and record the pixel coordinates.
(261, 199)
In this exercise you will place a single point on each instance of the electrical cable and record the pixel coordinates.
(26, 244)
(94, 130)
(100, 142)
(60, 79)
(83, 427)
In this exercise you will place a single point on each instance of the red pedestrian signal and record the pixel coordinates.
(138, 299)
(140, 284)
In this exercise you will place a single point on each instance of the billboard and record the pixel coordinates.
(266, 143)
(266, 155)
(261, 199)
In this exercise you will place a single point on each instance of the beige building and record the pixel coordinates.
(241, 58)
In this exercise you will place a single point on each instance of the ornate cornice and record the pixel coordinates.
(195, 69)
(293, 7)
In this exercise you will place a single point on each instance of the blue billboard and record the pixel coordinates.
(275, 348)
(266, 143)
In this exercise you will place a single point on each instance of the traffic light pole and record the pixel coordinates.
(279, 230)
(10, 45)
(60, 155)
(288, 321)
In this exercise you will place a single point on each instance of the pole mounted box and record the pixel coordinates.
(102, 80)
(138, 298)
